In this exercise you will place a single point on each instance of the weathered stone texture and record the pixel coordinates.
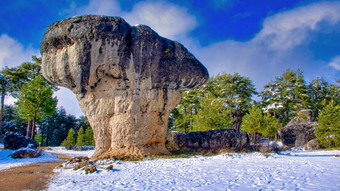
(127, 79)
(207, 140)
(299, 131)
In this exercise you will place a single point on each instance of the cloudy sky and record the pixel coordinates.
(260, 39)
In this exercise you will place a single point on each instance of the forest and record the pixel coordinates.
(225, 101)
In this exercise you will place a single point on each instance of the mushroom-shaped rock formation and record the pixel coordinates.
(127, 80)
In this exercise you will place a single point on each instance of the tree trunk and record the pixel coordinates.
(268, 145)
(33, 129)
(2, 108)
(28, 129)
(48, 135)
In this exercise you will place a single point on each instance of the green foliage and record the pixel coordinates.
(18, 76)
(70, 139)
(54, 128)
(89, 140)
(35, 100)
(211, 114)
(286, 95)
(186, 110)
(271, 125)
(81, 139)
(235, 91)
(218, 104)
(328, 128)
(322, 93)
(253, 122)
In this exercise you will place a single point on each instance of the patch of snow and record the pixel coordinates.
(296, 170)
(6, 161)
(63, 151)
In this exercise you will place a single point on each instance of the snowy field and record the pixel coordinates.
(63, 151)
(294, 170)
(7, 162)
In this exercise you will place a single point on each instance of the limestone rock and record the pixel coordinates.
(127, 79)
(207, 140)
(298, 131)
(313, 145)
(15, 141)
(26, 153)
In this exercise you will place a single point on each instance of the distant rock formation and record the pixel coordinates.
(127, 80)
(14, 141)
(299, 131)
(207, 140)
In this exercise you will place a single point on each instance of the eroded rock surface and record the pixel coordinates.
(299, 131)
(127, 79)
(207, 140)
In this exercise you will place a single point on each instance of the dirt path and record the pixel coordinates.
(29, 177)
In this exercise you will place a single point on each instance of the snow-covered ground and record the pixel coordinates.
(63, 151)
(7, 162)
(296, 170)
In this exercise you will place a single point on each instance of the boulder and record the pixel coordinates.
(127, 80)
(15, 141)
(207, 140)
(26, 153)
(313, 145)
(298, 131)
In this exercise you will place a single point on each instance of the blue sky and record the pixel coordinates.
(259, 39)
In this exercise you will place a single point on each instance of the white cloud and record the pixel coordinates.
(169, 20)
(13, 53)
(335, 63)
(281, 44)
(96, 7)
(291, 28)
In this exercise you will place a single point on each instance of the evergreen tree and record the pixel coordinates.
(328, 128)
(270, 126)
(186, 110)
(81, 139)
(253, 122)
(35, 101)
(70, 139)
(286, 95)
(236, 92)
(89, 139)
(211, 114)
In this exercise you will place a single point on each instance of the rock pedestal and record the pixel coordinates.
(127, 80)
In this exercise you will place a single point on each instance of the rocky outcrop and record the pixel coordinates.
(26, 153)
(127, 80)
(207, 140)
(298, 131)
(15, 141)
(313, 145)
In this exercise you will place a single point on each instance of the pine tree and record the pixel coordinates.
(81, 139)
(35, 101)
(236, 92)
(286, 95)
(328, 128)
(70, 139)
(270, 127)
(211, 114)
(186, 110)
(89, 139)
(252, 122)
